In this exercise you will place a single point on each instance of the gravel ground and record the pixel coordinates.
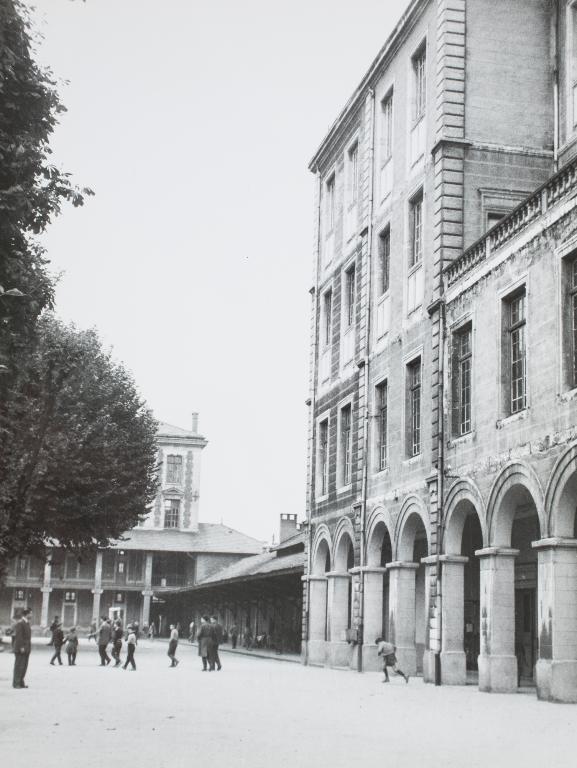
(258, 712)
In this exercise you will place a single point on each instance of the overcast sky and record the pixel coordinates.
(194, 123)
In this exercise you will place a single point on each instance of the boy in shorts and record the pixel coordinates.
(387, 651)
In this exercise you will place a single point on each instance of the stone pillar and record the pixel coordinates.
(497, 660)
(97, 591)
(453, 659)
(46, 589)
(147, 591)
(402, 613)
(339, 651)
(432, 640)
(372, 616)
(556, 669)
(317, 619)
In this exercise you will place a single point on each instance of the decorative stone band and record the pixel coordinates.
(497, 552)
(367, 569)
(97, 591)
(398, 565)
(555, 543)
(314, 578)
(338, 575)
(434, 559)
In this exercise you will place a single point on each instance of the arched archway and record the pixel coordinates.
(318, 603)
(408, 623)
(376, 585)
(341, 595)
(464, 533)
(509, 580)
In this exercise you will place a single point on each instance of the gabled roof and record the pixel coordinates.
(170, 429)
(260, 565)
(210, 537)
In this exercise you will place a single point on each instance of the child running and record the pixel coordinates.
(387, 651)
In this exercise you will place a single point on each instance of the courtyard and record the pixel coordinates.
(260, 712)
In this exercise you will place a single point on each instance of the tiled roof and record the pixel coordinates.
(292, 541)
(170, 429)
(210, 537)
(267, 563)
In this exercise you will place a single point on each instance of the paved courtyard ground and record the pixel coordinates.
(261, 712)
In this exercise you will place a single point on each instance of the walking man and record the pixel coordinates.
(53, 626)
(233, 635)
(21, 646)
(131, 648)
(205, 639)
(104, 635)
(217, 629)
(58, 640)
(117, 634)
(172, 645)
(387, 651)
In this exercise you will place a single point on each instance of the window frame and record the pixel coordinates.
(330, 203)
(414, 410)
(384, 261)
(322, 483)
(350, 296)
(353, 173)
(416, 226)
(174, 477)
(461, 425)
(175, 504)
(345, 457)
(511, 330)
(419, 83)
(382, 425)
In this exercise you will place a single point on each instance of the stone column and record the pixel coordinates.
(402, 613)
(432, 639)
(147, 591)
(497, 660)
(339, 651)
(97, 591)
(372, 616)
(46, 589)
(453, 659)
(557, 600)
(317, 619)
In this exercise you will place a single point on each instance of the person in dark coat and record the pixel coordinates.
(117, 635)
(58, 640)
(130, 648)
(72, 646)
(21, 646)
(218, 633)
(104, 636)
(233, 635)
(205, 639)
(53, 626)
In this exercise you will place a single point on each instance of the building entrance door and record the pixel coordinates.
(526, 633)
(117, 612)
(68, 615)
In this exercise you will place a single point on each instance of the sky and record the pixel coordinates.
(194, 123)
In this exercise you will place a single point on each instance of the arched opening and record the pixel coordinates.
(343, 588)
(413, 547)
(472, 540)
(318, 621)
(386, 555)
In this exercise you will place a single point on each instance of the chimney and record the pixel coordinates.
(195, 422)
(288, 527)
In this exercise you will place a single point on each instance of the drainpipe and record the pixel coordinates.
(440, 473)
(311, 403)
(366, 365)
(555, 42)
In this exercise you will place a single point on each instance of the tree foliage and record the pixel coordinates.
(32, 189)
(77, 445)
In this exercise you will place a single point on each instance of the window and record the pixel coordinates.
(387, 128)
(346, 445)
(324, 457)
(569, 272)
(414, 407)
(330, 204)
(70, 597)
(382, 417)
(384, 261)
(353, 163)
(349, 297)
(515, 352)
(416, 230)
(461, 374)
(171, 513)
(572, 65)
(174, 469)
(327, 313)
(420, 84)
(19, 594)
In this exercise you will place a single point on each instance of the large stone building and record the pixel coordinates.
(468, 108)
(170, 548)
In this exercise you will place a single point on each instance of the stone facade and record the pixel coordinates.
(436, 146)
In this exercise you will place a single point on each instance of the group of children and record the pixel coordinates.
(58, 640)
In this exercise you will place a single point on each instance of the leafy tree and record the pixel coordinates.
(77, 445)
(32, 190)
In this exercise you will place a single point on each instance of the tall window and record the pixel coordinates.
(414, 407)
(353, 158)
(330, 204)
(174, 469)
(324, 457)
(572, 270)
(462, 360)
(382, 425)
(349, 297)
(327, 318)
(346, 444)
(387, 128)
(420, 84)
(384, 261)
(171, 513)
(572, 63)
(416, 230)
(515, 321)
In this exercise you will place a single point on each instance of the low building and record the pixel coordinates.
(169, 548)
(262, 593)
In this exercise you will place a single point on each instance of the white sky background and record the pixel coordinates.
(194, 123)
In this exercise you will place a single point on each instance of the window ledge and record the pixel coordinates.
(344, 489)
(413, 460)
(318, 499)
(381, 473)
(566, 397)
(500, 423)
(462, 439)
